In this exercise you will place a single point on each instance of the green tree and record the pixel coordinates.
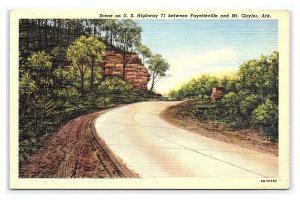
(40, 66)
(114, 86)
(273, 76)
(158, 67)
(205, 83)
(35, 92)
(27, 88)
(111, 27)
(251, 99)
(129, 37)
(145, 52)
(83, 53)
(260, 76)
(67, 80)
(116, 90)
(266, 117)
(173, 94)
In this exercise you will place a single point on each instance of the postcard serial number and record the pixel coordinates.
(268, 180)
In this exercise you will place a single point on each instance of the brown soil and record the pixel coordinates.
(75, 151)
(179, 115)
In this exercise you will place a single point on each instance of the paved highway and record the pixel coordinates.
(154, 148)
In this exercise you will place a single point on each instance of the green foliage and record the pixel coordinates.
(129, 35)
(144, 51)
(83, 54)
(83, 50)
(248, 103)
(112, 28)
(158, 67)
(231, 104)
(260, 76)
(40, 61)
(116, 90)
(173, 94)
(115, 86)
(266, 117)
(201, 87)
(251, 99)
(26, 84)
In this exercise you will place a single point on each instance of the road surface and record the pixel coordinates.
(154, 148)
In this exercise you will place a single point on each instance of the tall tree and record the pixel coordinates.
(40, 66)
(84, 52)
(274, 74)
(95, 52)
(111, 27)
(158, 67)
(129, 37)
(144, 51)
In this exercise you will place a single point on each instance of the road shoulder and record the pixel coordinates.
(75, 151)
(179, 115)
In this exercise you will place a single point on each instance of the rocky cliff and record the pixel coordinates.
(135, 72)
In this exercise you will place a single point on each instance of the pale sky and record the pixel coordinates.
(217, 47)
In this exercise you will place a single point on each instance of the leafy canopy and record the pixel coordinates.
(84, 49)
(144, 51)
(158, 66)
(129, 34)
(40, 60)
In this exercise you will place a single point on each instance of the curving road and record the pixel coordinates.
(154, 148)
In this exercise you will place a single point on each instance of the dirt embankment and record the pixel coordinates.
(75, 151)
(180, 115)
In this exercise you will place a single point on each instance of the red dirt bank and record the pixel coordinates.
(75, 151)
(180, 115)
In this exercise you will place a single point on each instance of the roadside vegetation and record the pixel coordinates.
(250, 101)
(60, 78)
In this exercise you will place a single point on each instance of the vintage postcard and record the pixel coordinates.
(153, 99)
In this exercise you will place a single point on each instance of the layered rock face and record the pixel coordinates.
(135, 72)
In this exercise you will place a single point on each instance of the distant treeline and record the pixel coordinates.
(250, 101)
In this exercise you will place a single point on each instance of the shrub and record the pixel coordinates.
(115, 87)
(266, 117)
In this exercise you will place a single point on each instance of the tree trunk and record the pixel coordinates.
(25, 103)
(261, 86)
(124, 62)
(92, 74)
(45, 33)
(152, 84)
(58, 31)
(82, 86)
(275, 87)
(111, 36)
(54, 31)
(68, 33)
(35, 115)
(124, 57)
(124, 65)
(40, 34)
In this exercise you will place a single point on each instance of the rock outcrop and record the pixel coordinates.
(135, 72)
(217, 93)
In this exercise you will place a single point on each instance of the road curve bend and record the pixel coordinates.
(154, 148)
